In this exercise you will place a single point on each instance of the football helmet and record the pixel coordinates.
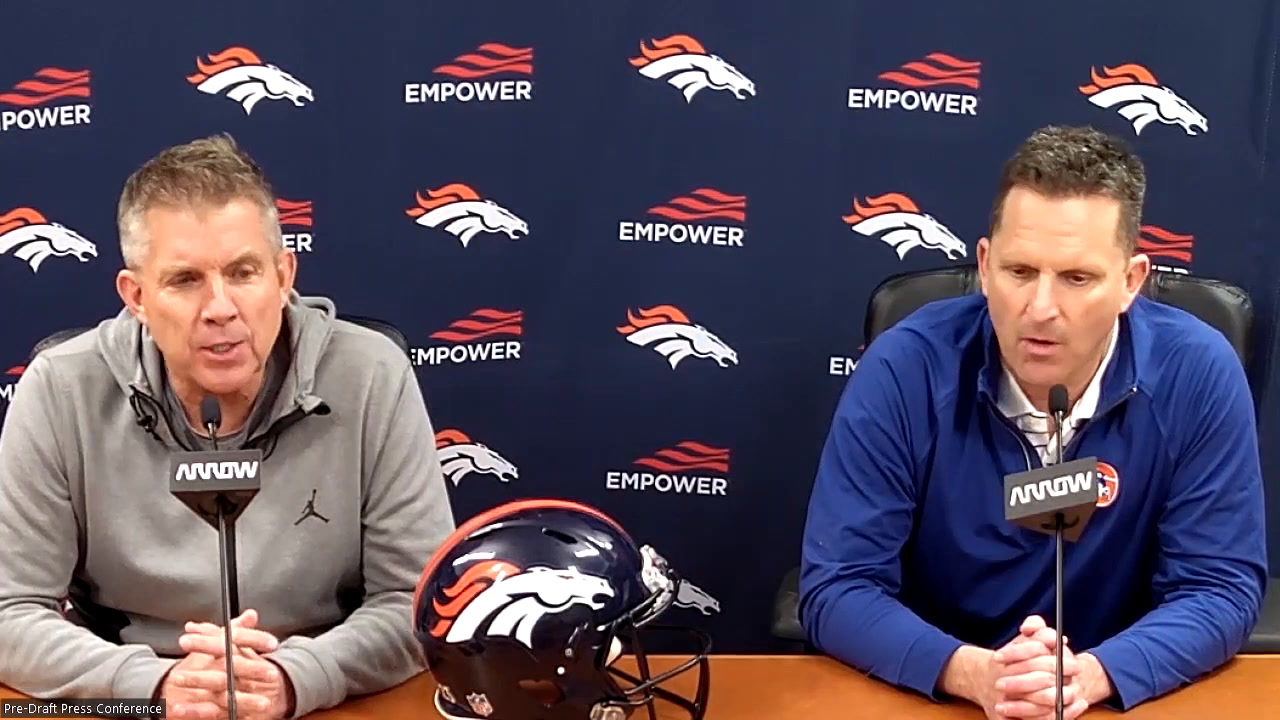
(523, 610)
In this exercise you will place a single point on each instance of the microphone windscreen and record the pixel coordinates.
(1058, 399)
(210, 412)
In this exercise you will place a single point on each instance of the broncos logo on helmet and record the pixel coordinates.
(461, 456)
(460, 211)
(666, 330)
(512, 601)
(691, 596)
(31, 237)
(895, 220)
(1133, 91)
(245, 78)
(522, 611)
(686, 65)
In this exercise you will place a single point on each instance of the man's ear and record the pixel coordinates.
(1135, 277)
(286, 273)
(984, 254)
(130, 291)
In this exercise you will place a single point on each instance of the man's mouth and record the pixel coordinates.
(221, 348)
(1040, 343)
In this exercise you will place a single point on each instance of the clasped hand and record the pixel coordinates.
(1020, 678)
(196, 687)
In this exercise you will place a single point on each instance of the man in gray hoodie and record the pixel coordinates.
(110, 585)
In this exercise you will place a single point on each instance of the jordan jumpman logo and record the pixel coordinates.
(310, 510)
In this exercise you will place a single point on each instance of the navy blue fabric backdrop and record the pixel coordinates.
(631, 243)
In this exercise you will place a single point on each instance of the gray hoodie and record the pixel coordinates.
(85, 512)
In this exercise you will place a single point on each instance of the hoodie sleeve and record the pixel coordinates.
(42, 654)
(406, 516)
(860, 515)
(1211, 567)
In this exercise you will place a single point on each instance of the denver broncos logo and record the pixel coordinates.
(1108, 484)
(459, 210)
(511, 600)
(1133, 91)
(896, 221)
(666, 330)
(460, 456)
(31, 237)
(692, 596)
(686, 65)
(241, 74)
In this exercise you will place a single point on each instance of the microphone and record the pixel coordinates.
(1057, 499)
(211, 417)
(217, 485)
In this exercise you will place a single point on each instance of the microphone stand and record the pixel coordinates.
(1059, 522)
(226, 548)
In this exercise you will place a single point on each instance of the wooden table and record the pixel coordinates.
(787, 687)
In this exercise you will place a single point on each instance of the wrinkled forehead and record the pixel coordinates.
(202, 235)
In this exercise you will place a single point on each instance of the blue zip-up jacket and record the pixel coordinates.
(907, 555)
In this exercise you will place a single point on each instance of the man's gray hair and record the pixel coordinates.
(1061, 162)
(202, 174)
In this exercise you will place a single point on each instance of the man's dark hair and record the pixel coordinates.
(1062, 162)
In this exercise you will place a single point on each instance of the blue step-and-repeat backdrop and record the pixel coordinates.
(631, 243)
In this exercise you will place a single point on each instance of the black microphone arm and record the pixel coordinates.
(1058, 405)
(211, 417)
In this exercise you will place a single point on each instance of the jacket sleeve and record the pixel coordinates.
(406, 516)
(42, 654)
(860, 515)
(1211, 566)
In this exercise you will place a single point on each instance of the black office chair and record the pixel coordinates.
(1221, 305)
(363, 321)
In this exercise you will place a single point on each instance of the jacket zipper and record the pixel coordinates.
(1075, 440)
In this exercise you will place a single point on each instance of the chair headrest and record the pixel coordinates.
(1222, 305)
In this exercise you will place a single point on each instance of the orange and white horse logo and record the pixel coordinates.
(687, 66)
(461, 456)
(1133, 91)
(897, 222)
(242, 76)
(460, 211)
(30, 237)
(666, 330)
(512, 600)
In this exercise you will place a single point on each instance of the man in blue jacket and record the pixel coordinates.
(910, 571)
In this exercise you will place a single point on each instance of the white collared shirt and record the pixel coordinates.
(1037, 425)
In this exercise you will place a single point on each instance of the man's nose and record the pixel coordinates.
(1044, 299)
(220, 307)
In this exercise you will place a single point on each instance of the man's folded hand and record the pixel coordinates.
(1029, 675)
(197, 686)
